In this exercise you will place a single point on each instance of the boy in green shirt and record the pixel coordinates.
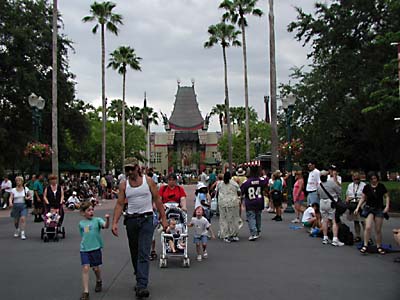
(90, 247)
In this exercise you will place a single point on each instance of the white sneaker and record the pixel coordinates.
(337, 243)
(227, 240)
(325, 241)
(4, 206)
(235, 238)
(252, 238)
(23, 237)
(296, 221)
(199, 258)
(205, 254)
(16, 233)
(257, 236)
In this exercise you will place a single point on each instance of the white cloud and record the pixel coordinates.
(169, 36)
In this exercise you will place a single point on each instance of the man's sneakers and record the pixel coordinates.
(16, 233)
(235, 239)
(199, 258)
(295, 221)
(23, 237)
(253, 237)
(325, 241)
(337, 243)
(142, 292)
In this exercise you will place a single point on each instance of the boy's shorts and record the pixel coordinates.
(200, 239)
(92, 258)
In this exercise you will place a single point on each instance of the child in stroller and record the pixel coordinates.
(52, 225)
(174, 240)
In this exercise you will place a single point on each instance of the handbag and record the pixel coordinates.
(340, 206)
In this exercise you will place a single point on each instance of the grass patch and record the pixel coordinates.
(393, 188)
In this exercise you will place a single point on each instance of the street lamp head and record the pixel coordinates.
(33, 99)
(394, 44)
(288, 101)
(40, 103)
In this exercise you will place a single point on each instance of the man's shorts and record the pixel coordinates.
(200, 239)
(92, 258)
(327, 212)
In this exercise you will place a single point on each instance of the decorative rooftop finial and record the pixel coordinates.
(193, 81)
(179, 82)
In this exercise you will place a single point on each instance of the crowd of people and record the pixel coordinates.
(142, 197)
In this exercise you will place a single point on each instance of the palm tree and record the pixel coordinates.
(115, 110)
(106, 19)
(236, 11)
(121, 58)
(54, 110)
(274, 126)
(219, 109)
(149, 116)
(134, 114)
(226, 35)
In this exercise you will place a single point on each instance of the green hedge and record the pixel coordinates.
(394, 193)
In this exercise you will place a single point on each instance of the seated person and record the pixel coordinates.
(73, 201)
(176, 231)
(311, 217)
(52, 217)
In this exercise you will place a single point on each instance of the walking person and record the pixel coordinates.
(312, 184)
(38, 201)
(353, 197)
(90, 247)
(253, 193)
(141, 192)
(228, 205)
(377, 203)
(298, 196)
(328, 192)
(276, 194)
(53, 196)
(19, 211)
(6, 187)
(201, 228)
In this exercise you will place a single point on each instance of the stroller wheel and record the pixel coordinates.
(56, 239)
(163, 262)
(63, 232)
(186, 263)
(42, 234)
(45, 239)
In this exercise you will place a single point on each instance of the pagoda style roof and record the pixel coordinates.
(186, 114)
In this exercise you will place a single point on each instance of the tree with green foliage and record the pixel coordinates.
(121, 58)
(226, 35)
(347, 102)
(236, 11)
(25, 68)
(219, 109)
(102, 13)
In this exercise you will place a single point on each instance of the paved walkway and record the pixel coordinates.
(282, 264)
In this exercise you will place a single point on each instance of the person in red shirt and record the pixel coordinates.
(173, 192)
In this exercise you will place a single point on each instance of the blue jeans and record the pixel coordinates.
(140, 234)
(254, 220)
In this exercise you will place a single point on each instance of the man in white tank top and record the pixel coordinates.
(141, 192)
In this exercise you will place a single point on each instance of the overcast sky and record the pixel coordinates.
(169, 36)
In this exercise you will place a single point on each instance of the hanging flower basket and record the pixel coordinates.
(39, 150)
(295, 148)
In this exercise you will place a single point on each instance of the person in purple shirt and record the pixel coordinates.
(253, 190)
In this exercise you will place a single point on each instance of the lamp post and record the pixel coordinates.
(288, 106)
(37, 104)
(257, 145)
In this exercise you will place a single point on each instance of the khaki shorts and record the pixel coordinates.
(327, 212)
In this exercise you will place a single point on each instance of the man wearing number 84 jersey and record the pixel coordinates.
(253, 190)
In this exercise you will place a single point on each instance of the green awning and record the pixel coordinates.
(86, 167)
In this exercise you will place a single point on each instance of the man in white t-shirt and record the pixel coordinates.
(312, 184)
(73, 201)
(334, 176)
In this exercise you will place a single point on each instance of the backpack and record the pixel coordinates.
(345, 235)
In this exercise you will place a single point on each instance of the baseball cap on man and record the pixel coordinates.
(131, 162)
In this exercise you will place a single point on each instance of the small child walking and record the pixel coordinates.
(90, 247)
(201, 227)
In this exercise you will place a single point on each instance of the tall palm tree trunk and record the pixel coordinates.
(54, 111)
(246, 93)
(123, 119)
(274, 129)
(103, 99)
(228, 118)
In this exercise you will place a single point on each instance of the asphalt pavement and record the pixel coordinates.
(283, 264)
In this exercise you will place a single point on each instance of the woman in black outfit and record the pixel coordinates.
(376, 199)
(54, 196)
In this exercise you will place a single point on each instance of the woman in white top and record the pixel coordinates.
(19, 210)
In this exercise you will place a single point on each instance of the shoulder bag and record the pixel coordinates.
(340, 206)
